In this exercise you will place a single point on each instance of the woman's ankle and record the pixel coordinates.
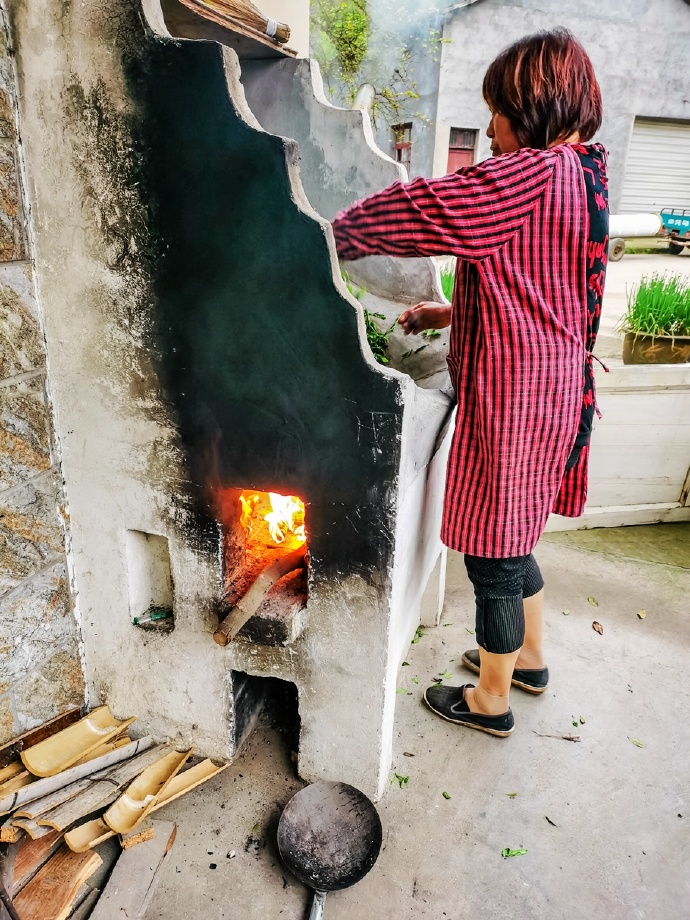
(481, 701)
(530, 659)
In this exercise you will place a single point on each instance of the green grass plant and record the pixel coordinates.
(448, 281)
(659, 305)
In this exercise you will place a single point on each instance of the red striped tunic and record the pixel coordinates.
(518, 225)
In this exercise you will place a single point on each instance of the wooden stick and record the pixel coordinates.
(52, 891)
(14, 747)
(249, 604)
(51, 783)
(135, 876)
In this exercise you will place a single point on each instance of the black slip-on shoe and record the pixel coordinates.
(533, 680)
(449, 703)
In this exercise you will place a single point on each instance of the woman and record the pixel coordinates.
(530, 232)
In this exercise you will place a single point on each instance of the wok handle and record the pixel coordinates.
(317, 905)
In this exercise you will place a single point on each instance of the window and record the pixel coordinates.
(461, 148)
(402, 135)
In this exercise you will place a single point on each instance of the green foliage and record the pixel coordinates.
(354, 47)
(377, 338)
(659, 305)
(448, 281)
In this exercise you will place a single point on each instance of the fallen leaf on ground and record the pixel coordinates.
(552, 823)
(508, 852)
(445, 795)
(406, 664)
(511, 795)
(637, 743)
(447, 624)
(445, 675)
(597, 627)
(642, 614)
(401, 690)
(470, 631)
(582, 720)
(575, 723)
(402, 780)
(566, 613)
(407, 754)
(417, 636)
(415, 680)
(593, 601)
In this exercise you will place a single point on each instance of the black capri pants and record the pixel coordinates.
(500, 586)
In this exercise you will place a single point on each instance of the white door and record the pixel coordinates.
(657, 168)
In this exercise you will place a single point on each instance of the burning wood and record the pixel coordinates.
(249, 604)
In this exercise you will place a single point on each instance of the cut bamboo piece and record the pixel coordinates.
(135, 876)
(14, 747)
(30, 856)
(141, 795)
(88, 835)
(31, 828)
(50, 784)
(42, 805)
(17, 782)
(141, 833)
(97, 831)
(99, 793)
(105, 749)
(64, 749)
(251, 601)
(50, 894)
(188, 780)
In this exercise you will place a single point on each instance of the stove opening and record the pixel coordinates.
(265, 565)
(272, 700)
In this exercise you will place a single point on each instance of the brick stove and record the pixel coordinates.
(185, 275)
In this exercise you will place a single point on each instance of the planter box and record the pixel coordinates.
(659, 349)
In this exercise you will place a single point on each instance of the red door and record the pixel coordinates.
(457, 158)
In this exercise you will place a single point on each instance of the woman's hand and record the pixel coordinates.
(426, 315)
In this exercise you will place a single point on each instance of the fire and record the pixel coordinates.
(286, 515)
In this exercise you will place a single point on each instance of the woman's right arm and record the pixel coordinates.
(468, 214)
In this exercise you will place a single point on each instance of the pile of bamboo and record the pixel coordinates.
(77, 795)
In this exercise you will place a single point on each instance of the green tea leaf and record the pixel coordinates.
(402, 780)
(415, 680)
(431, 334)
(406, 664)
(642, 614)
(637, 743)
(511, 795)
(508, 852)
(445, 795)
(593, 601)
(401, 690)
(470, 631)
(566, 613)
(445, 675)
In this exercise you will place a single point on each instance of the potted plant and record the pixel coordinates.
(657, 321)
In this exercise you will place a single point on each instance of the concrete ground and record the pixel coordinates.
(605, 821)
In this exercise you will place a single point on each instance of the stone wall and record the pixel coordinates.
(40, 666)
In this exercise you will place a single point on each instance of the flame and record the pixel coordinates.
(286, 515)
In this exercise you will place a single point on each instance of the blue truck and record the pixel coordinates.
(676, 223)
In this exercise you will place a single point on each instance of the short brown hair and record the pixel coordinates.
(545, 86)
